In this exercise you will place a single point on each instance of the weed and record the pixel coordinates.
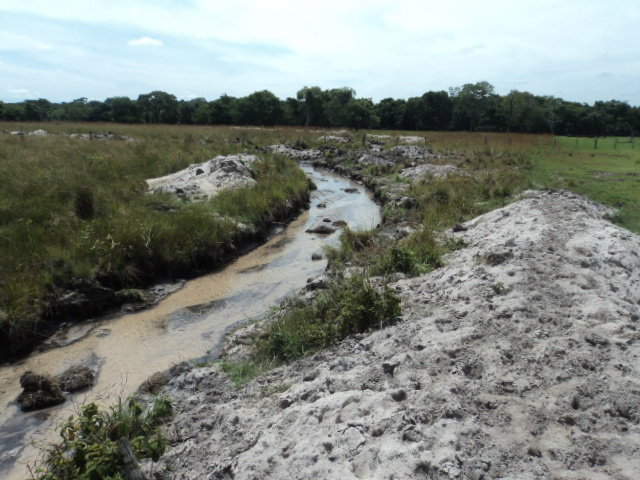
(498, 288)
(89, 447)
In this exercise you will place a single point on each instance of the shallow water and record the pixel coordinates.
(128, 348)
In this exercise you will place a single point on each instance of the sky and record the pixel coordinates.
(580, 51)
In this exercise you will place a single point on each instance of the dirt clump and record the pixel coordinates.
(76, 378)
(39, 391)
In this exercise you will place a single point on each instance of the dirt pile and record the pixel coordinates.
(519, 359)
(201, 181)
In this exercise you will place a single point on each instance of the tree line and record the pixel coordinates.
(470, 107)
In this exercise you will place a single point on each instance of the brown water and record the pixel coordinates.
(128, 348)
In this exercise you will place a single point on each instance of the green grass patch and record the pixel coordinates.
(350, 305)
(89, 446)
(74, 208)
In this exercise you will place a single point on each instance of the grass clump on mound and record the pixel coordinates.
(350, 304)
(92, 443)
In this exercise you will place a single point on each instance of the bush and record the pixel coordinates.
(89, 448)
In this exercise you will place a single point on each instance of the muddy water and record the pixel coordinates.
(126, 349)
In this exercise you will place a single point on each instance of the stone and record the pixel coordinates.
(321, 229)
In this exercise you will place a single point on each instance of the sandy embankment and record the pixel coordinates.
(519, 359)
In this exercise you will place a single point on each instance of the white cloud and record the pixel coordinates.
(145, 42)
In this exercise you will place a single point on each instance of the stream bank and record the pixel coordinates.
(127, 349)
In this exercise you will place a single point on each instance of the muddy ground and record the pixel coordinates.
(519, 359)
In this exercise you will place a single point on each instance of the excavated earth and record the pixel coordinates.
(519, 359)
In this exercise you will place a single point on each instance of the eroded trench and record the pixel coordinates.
(126, 349)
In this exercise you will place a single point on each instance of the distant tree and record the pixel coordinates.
(259, 108)
(391, 113)
(32, 112)
(292, 112)
(437, 111)
(78, 110)
(359, 113)
(98, 111)
(202, 114)
(312, 106)
(123, 110)
(412, 113)
(220, 110)
(523, 111)
(158, 107)
(335, 105)
(472, 103)
(13, 112)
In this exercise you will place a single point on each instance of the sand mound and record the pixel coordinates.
(204, 180)
(519, 360)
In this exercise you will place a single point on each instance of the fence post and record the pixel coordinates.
(615, 145)
(595, 144)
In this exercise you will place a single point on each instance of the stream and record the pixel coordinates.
(126, 349)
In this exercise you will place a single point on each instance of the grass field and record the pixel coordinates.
(77, 207)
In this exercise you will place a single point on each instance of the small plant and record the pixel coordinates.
(90, 442)
(498, 288)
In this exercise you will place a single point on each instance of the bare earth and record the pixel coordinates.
(519, 360)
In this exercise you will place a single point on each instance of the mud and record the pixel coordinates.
(517, 360)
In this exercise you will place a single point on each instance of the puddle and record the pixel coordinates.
(187, 324)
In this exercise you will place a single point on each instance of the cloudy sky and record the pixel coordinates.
(578, 50)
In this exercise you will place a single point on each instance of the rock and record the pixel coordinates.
(321, 229)
(411, 139)
(76, 378)
(322, 205)
(326, 220)
(351, 190)
(39, 391)
(339, 223)
(202, 181)
(317, 283)
(437, 171)
(458, 227)
(316, 256)
(334, 138)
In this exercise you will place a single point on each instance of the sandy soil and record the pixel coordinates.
(517, 360)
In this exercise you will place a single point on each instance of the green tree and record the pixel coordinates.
(335, 105)
(220, 110)
(359, 113)
(437, 111)
(98, 111)
(123, 110)
(158, 107)
(391, 113)
(312, 106)
(259, 108)
(78, 110)
(472, 104)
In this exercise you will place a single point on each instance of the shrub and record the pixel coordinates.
(89, 448)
